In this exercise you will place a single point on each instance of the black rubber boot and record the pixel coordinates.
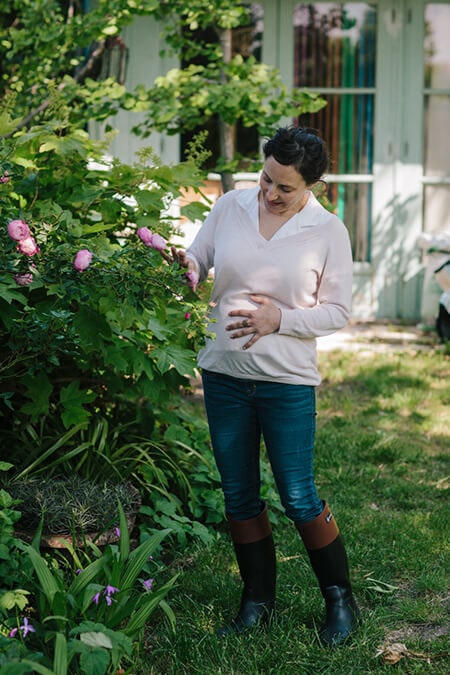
(329, 561)
(255, 554)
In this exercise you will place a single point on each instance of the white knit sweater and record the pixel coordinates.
(305, 269)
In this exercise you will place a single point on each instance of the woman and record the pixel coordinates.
(282, 277)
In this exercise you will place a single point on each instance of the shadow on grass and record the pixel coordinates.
(382, 463)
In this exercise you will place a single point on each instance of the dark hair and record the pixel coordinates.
(300, 147)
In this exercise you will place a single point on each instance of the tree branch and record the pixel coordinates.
(79, 77)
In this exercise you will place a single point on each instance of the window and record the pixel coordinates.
(334, 54)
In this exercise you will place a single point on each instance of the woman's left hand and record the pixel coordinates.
(257, 322)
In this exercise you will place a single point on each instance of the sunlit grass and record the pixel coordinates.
(382, 461)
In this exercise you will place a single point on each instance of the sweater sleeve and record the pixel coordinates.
(202, 249)
(334, 294)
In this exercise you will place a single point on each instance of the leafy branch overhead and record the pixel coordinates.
(218, 78)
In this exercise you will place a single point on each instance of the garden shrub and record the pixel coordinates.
(96, 323)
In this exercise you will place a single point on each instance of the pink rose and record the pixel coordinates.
(82, 260)
(158, 242)
(187, 316)
(18, 230)
(145, 235)
(23, 279)
(28, 246)
(192, 279)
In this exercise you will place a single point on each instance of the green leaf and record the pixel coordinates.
(62, 440)
(100, 227)
(139, 557)
(87, 576)
(35, 668)
(194, 211)
(183, 360)
(72, 399)
(141, 363)
(94, 662)
(49, 585)
(15, 598)
(91, 327)
(160, 330)
(149, 200)
(124, 543)
(96, 639)
(140, 617)
(60, 658)
(9, 294)
(38, 389)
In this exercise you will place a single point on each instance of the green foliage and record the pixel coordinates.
(214, 84)
(243, 90)
(33, 69)
(76, 345)
(88, 609)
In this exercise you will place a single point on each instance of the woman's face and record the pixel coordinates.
(282, 188)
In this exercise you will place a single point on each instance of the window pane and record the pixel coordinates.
(335, 48)
(352, 202)
(346, 123)
(335, 44)
(437, 46)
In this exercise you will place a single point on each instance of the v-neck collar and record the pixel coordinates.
(306, 218)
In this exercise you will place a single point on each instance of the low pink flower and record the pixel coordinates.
(25, 628)
(18, 230)
(82, 260)
(4, 178)
(108, 592)
(145, 235)
(96, 598)
(23, 279)
(158, 242)
(28, 246)
(148, 584)
(187, 316)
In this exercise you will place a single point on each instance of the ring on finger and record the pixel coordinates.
(245, 323)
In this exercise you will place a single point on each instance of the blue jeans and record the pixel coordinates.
(239, 413)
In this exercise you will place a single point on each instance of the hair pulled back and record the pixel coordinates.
(301, 148)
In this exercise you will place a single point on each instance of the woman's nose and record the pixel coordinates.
(272, 193)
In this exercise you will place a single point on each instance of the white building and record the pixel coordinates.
(384, 68)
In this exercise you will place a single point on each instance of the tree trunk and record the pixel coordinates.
(226, 131)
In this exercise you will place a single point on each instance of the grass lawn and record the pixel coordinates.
(382, 458)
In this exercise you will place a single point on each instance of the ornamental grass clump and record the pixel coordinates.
(70, 505)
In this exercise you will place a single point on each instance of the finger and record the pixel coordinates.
(179, 256)
(239, 312)
(251, 342)
(240, 325)
(260, 299)
(166, 257)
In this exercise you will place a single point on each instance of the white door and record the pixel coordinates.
(384, 68)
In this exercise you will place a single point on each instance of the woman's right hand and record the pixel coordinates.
(192, 275)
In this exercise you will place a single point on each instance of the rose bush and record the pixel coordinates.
(92, 312)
